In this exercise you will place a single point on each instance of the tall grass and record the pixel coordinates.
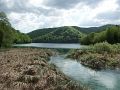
(98, 56)
(104, 47)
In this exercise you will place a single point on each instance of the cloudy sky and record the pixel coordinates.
(28, 15)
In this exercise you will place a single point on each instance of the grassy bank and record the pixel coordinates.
(28, 69)
(98, 56)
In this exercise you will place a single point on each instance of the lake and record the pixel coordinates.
(51, 45)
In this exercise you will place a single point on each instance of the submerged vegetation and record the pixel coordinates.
(98, 56)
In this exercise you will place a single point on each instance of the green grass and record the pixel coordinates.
(105, 47)
(98, 56)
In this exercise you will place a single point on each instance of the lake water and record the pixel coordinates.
(96, 80)
(51, 45)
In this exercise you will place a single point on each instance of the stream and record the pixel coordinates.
(96, 80)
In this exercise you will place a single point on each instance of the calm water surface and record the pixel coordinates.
(97, 80)
(51, 45)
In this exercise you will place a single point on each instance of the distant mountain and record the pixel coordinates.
(65, 34)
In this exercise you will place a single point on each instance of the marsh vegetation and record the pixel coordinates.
(28, 69)
(98, 56)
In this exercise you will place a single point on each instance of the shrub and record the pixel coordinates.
(103, 47)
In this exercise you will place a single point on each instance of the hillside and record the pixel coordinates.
(93, 29)
(110, 34)
(66, 34)
(60, 35)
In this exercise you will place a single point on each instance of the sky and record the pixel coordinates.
(29, 15)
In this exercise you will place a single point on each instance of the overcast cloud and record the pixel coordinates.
(28, 15)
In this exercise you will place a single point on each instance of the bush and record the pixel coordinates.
(103, 47)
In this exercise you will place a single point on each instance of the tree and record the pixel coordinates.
(1, 37)
(110, 34)
(4, 18)
(8, 35)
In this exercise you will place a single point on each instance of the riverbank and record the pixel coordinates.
(98, 56)
(28, 69)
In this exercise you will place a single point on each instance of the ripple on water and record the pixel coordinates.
(97, 80)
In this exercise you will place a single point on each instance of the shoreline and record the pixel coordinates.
(28, 69)
(98, 56)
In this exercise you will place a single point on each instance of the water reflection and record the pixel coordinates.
(51, 45)
(100, 80)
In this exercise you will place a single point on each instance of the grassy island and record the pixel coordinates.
(98, 56)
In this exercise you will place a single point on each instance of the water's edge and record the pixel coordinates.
(97, 80)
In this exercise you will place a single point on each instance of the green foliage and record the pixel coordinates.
(8, 35)
(110, 34)
(21, 38)
(3, 18)
(88, 39)
(102, 47)
(92, 29)
(98, 56)
(60, 35)
(40, 32)
(6, 31)
(65, 34)
(113, 34)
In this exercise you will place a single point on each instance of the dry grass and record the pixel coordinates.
(27, 69)
(97, 60)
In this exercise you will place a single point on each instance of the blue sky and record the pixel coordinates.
(28, 15)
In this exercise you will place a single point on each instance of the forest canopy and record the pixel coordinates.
(109, 34)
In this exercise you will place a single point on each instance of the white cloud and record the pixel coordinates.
(37, 14)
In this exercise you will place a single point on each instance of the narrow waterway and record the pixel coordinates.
(96, 80)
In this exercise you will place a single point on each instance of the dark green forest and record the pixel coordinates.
(65, 34)
(109, 34)
(74, 34)
(8, 35)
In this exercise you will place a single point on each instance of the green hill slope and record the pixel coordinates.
(93, 29)
(66, 34)
(110, 34)
(60, 35)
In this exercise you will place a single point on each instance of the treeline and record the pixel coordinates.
(21, 37)
(8, 35)
(110, 34)
(60, 35)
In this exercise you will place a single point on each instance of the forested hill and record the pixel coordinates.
(8, 35)
(110, 35)
(66, 34)
(93, 29)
